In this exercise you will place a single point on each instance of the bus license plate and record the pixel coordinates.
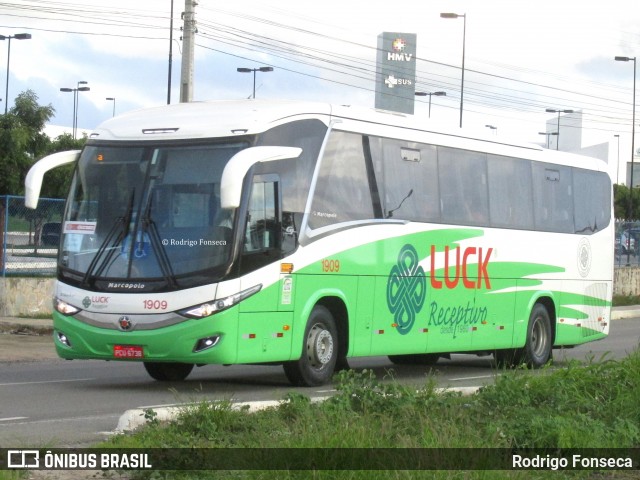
(128, 351)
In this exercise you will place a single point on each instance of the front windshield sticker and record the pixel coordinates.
(73, 242)
(287, 289)
(83, 228)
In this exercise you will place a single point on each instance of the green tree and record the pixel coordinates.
(34, 117)
(21, 141)
(14, 160)
(621, 203)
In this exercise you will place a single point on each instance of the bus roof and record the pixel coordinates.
(211, 119)
(205, 119)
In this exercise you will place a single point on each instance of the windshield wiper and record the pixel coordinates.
(119, 222)
(158, 248)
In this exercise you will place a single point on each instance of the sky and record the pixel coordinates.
(521, 57)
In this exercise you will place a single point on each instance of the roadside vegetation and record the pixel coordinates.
(592, 405)
(625, 300)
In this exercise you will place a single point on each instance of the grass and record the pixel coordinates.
(625, 300)
(580, 406)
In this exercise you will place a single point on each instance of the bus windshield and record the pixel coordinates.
(149, 215)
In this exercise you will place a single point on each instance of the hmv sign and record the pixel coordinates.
(396, 71)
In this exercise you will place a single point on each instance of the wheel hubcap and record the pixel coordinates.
(538, 338)
(319, 346)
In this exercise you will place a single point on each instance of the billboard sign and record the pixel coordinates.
(396, 71)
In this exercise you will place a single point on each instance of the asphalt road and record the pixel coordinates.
(56, 403)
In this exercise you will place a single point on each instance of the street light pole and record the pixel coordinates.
(78, 89)
(17, 36)
(170, 59)
(112, 99)
(464, 36)
(633, 135)
(254, 70)
(548, 134)
(558, 111)
(75, 102)
(618, 161)
(430, 94)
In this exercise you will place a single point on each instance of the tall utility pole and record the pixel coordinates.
(170, 56)
(188, 43)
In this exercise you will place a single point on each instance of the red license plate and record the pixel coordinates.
(128, 351)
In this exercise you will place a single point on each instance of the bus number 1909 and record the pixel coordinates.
(155, 304)
(332, 266)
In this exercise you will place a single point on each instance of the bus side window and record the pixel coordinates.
(262, 234)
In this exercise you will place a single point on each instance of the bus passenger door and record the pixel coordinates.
(264, 331)
(262, 237)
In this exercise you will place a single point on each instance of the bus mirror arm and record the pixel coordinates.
(235, 171)
(33, 181)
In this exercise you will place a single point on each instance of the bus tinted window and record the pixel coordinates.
(510, 195)
(428, 183)
(552, 198)
(342, 191)
(592, 201)
(463, 186)
(408, 174)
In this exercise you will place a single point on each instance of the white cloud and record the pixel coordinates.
(568, 45)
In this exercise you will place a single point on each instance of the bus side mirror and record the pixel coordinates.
(235, 171)
(33, 181)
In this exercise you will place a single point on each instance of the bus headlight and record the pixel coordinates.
(64, 308)
(216, 306)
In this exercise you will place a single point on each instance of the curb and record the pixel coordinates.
(133, 419)
(621, 313)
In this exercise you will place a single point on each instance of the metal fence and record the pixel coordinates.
(627, 244)
(29, 238)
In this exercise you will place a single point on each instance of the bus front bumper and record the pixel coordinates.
(209, 340)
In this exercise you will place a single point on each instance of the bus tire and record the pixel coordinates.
(415, 359)
(168, 372)
(319, 351)
(537, 349)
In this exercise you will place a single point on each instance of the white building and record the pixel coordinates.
(570, 140)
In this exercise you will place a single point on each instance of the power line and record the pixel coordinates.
(485, 89)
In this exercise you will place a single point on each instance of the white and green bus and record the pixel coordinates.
(306, 234)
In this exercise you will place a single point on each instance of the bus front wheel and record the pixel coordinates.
(168, 372)
(319, 351)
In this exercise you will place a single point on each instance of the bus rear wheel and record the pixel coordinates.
(537, 349)
(168, 372)
(538, 346)
(319, 351)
